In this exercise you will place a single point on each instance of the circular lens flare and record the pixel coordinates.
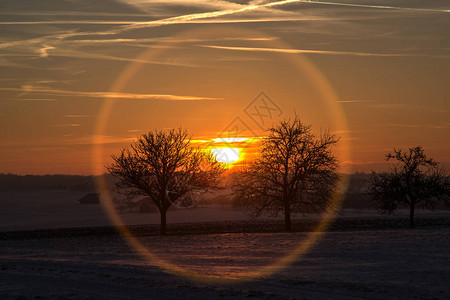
(300, 63)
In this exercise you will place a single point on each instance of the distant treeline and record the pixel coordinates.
(355, 196)
(12, 182)
(9, 182)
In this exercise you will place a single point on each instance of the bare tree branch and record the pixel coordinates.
(415, 180)
(165, 167)
(294, 172)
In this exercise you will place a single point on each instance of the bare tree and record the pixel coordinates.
(415, 180)
(164, 166)
(294, 172)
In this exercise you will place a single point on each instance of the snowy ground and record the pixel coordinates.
(370, 264)
(60, 209)
(383, 264)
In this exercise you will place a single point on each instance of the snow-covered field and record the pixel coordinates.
(383, 264)
(60, 209)
(376, 264)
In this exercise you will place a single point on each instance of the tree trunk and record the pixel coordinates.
(287, 217)
(163, 213)
(411, 216)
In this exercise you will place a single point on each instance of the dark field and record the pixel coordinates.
(362, 264)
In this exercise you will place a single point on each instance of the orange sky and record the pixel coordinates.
(78, 82)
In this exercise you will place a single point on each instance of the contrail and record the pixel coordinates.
(197, 17)
(377, 6)
(48, 91)
(332, 52)
(154, 23)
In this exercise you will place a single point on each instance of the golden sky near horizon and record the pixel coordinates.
(79, 79)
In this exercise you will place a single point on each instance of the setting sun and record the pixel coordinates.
(203, 149)
(226, 155)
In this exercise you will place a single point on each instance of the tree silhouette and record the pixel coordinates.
(164, 166)
(294, 172)
(415, 180)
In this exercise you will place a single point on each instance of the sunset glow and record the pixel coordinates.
(226, 155)
(223, 147)
(231, 150)
(231, 139)
(167, 69)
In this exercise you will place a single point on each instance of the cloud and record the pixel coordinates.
(69, 13)
(327, 52)
(378, 6)
(354, 101)
(149, 6)
(67, 139)
(47, 148)
(87, 55)
(154, 23)
(44, 50)
(178, 40)
(408, 106)
(112, 95)
(444, 126)
(406, 125)
(159, 23)
(225, 9)
(69, 125)
(401, 125)
(206, 15)
(33, 99)
(359, 162)
(64, 22)
(63, 48)
(98, 140)
(79, 116)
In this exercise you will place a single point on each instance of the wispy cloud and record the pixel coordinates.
(379, 6)
(371, 104)
(409, 125)
(69, 13)
(224, 9)
(188, 18)
(32, 99)
(44, 50)
(69, 125)
(263, 19)
(207, 15)
(112, 95)
(360, 162)
(354, 101)
(69, 49)
(64, 22)
(401, 125)
(225, 5)
(147, 24)
(392, 106)
(38, 149)
(98, 56)
(407, 106)
(149, 6)
(98, 140)
(168, 40)
(327, 52)
(79, 116)
(66, 139)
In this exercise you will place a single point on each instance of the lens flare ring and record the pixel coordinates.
(301, 63)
